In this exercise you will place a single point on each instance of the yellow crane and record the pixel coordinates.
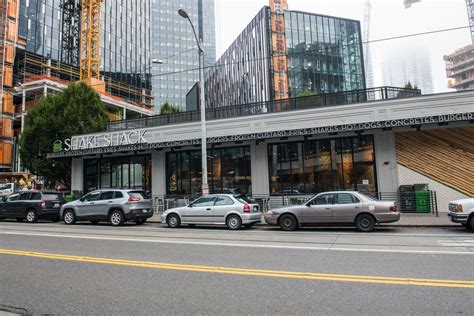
(90, 39)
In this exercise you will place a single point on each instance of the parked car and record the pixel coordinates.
(32, 205)
(8, 188)
(233, 211)
(112, 205)
(335, 208)
(462, 211)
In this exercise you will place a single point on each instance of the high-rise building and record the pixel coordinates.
(460, 68)
(174, 43)
(41, 55)
(323, 55)
(412, 63)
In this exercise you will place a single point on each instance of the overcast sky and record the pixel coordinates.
(389, 18)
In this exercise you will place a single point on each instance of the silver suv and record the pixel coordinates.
(113, 205)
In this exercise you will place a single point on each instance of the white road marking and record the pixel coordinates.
(244, 245)
(457, 242)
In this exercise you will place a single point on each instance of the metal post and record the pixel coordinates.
(205, 186)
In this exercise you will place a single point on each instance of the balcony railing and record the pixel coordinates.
(299, 103)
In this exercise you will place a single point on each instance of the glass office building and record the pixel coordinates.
(174, 43)
(125, 41)
(324, 55)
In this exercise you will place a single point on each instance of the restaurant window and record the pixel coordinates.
(313, 166)
(118, 172)
(228, 171)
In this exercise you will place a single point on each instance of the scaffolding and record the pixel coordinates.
(3, 33)
(280, 62)
(71, 31)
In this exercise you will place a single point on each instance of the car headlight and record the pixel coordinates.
(458, 208)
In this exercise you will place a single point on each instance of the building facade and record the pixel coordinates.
(323, 55)
(288, 153)
(460, 68)
(41, 56)
(174, 44)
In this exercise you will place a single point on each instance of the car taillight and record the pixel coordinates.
(43, 204)
(393, 208)
(246, 208)
(133, 199)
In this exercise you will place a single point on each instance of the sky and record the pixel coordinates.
(389, 18)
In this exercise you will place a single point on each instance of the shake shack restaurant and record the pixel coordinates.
(263, 153)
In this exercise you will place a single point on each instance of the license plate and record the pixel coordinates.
(56, 205)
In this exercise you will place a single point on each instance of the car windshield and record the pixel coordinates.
(5, 186)
(368, 196)
(138, 194)
(243, 199)
(52, 196)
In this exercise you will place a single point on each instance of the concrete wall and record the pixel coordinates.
(77, 175)
(259, 170)
(158, 173)
(386, 161)
(444, 193)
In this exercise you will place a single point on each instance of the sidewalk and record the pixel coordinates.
(406, 220)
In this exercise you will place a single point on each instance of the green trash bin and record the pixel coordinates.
(422, 198)
(68, 198)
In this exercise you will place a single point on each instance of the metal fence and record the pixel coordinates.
(299, 103)
(412, 202)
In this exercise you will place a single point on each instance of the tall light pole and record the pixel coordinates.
(205, 186)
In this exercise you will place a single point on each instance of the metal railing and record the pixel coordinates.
(299, 103)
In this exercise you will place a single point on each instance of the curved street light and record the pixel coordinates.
(204, 186)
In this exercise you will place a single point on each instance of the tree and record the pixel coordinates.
(167, 108)
(409, 86)
(76, 110)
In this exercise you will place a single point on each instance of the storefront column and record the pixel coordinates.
(77, 175)
(386, 161)
(259, 169)
(158, 174)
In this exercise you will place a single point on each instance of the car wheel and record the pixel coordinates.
(31, 216)
(173, 221)
(19, 219)
(288, 223)
(140, 221)
(234, 222)
(69, 217)
(365, 223)
(94, 222)
(116, 218)
(470, 223)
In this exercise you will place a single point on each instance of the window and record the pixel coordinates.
(324, 199)
(24, 196)
(35, 196)
(346, 198)
(224, 200)
(13, 197)
(93, 196)
(109, 195)
(204, 201)
(118, 195)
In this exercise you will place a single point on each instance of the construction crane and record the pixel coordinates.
(90, 39)
(470, 15)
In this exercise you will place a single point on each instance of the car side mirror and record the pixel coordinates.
(81, 199)
(4, 198)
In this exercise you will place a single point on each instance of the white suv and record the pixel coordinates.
(462, 211)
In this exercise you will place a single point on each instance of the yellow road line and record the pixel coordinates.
(249, 272)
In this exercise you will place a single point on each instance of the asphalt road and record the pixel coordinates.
(85, 269)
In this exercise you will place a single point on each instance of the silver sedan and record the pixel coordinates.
(335, 208)
(234, 211)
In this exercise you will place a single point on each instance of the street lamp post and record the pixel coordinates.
(205, 186)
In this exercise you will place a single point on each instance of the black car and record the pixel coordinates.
(32, 205)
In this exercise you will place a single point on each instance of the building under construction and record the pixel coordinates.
(45, 45)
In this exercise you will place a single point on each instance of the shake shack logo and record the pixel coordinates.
(57, 146)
